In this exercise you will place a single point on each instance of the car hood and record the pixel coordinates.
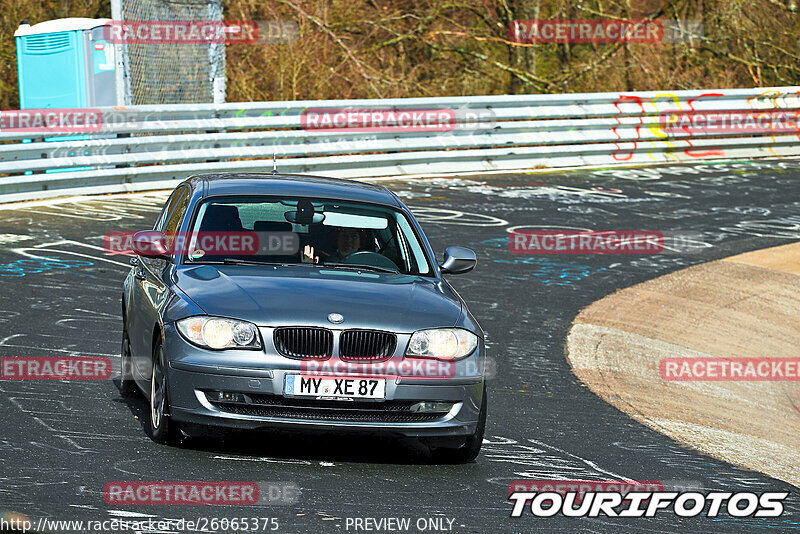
(305, 295)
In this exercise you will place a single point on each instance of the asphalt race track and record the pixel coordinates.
(63, 441)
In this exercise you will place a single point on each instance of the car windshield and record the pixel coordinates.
(304, 231)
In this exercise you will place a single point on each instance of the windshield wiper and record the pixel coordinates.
(352, 266)
(361, 267)
(236, 261)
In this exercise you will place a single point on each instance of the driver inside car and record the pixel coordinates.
(348, 241)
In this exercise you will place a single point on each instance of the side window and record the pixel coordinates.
(174, 219)
(159, 225)
(411, 248)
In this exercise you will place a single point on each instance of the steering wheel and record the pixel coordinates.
(365, 257)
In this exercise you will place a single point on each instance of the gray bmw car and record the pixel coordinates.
(262, 300)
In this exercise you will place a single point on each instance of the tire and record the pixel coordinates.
(472, 446)
(162, 428)
(127, 387)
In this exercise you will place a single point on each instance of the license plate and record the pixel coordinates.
(341, 388)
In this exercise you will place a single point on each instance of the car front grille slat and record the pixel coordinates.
(366, 345)
(317, 343)
(330, 415)
(260, 405)
(365, 405)
(304, 342)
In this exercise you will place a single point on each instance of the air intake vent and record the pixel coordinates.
(304, 342)
(366, 345)
(46, 42)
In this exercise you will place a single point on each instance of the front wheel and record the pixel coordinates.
(472, 446)
(162, 428)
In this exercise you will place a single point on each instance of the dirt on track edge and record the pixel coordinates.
(741, 306)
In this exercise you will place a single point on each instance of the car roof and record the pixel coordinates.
(290, 185)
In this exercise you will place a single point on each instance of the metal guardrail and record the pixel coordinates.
(153, 147)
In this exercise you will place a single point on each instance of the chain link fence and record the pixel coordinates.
(174, 73)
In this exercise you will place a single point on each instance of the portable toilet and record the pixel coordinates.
(65, 63)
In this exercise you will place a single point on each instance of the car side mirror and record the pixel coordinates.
(151, 244)
(458, 260)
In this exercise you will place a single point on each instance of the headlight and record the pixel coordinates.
(219, 333)
(442, 344)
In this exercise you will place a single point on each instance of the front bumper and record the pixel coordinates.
(196, 374)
